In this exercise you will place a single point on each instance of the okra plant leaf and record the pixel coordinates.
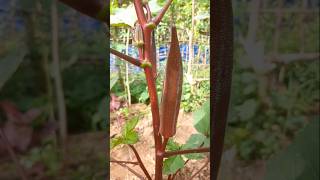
(173, 164)
(172, 146)
(115, 142)
(201, 119)
(10, 63)
(130, 125)
(300, 160)
(194, 141)
(131, 137)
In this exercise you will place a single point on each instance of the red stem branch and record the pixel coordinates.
(140, 13)
(148, 12)
(162, 12)
(125, 57)
(194, 175)
(125, 162)
(140, 162)
(187, 151)
(131, 170)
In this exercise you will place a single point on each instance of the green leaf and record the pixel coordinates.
(194, 141)
(173, 164)
(247, 110)
(113, 81)
(201, 119)
(172, 146)
(115, 142)
(10, 63)
(131, 137)
(300, 161)
(130, 125)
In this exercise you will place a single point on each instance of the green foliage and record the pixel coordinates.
(173, 164)
(128, 134)
(10, 63)
(192, 101)
(47, 155)
(301, 159)
(201, 119)
(99, 118)
(195, 141)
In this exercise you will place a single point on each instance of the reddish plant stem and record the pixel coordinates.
(194, 175)
(148, 12)
(125, 162)
(126, 57)
(131, 170)
(140, 162)
(187, 151)
(139, 10)
(162, 12)
(147, 55)
(19, 167)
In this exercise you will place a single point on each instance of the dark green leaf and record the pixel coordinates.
(201, 119)
(300, 161)
(172, 146)
(10, 63)
(173, 164)
(194, 141)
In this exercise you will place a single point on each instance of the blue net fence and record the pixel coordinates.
(200, 56)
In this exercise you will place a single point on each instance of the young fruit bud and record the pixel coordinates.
(138, 44)
(138, 36)
(145, 1)
(151, 25)
(145, 63)
(172, 88)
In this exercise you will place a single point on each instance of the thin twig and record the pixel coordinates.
(194, 175)
(149, 17)
(175, 174)
(140, 161)
(162, 12)
(139, 10)
(131, 170)
(187, 151)
(125, 57)
(125, 162)
(19, 167)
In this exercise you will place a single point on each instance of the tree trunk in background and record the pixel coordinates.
(127, 69)
(190, 60)
(57, 78)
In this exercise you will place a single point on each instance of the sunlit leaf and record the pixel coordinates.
(172, 164)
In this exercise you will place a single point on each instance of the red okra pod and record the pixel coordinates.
(172, 88)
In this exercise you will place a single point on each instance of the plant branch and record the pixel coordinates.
(162, 12)
(187, 151)
(131, 170)
(194, 175)
(13, 155)
(140, 162)
(175, 174)
(148, 12)
(125, 57)
(125, 162)
(139, 10)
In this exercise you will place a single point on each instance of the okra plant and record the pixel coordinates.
(164, 118)
(165, 115)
